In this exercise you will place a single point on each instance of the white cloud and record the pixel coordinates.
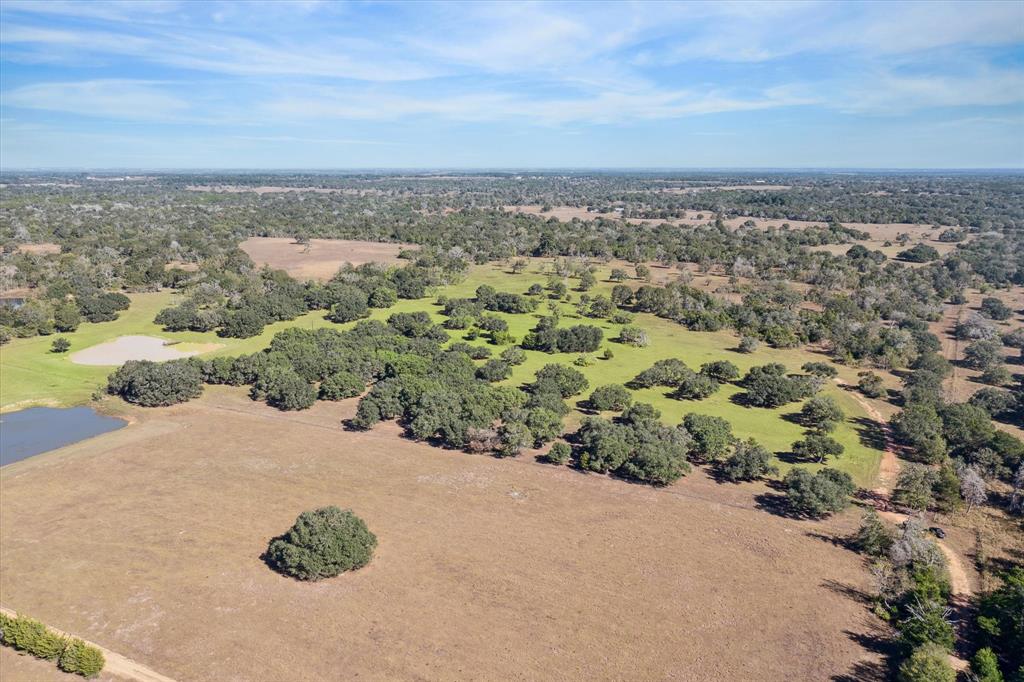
(118, 99)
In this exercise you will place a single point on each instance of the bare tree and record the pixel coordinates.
(972, 487)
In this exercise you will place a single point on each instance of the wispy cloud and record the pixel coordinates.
(118, 99)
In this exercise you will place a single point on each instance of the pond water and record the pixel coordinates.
(40, 429)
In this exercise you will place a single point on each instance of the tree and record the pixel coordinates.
(242, 324)
(633, 336)
(721, 371)
(919, 253)
(643, 272)
(973, 488)
(610, 397)
(341, 385)
(494, 370)
(559, 453)
(983, 354)
(566, 380)
(1000, 622)
(695, 386)
(817, 447)
(152, 384)
(513, 356)
(914, 488)
(985, 666)
(321, 544)
(926, 621)
(667, 372)
(712, 436)
(749, 461)
(748, 344)
(60, 345)
(587, 280)
(994, 309)
(350, 303)
(874, 537)
(513, 438)
(66, 317)
(81, 658)
(928, 663)
(769, 386)
(820, 494)
(289, 391)
(821, 414)
(919, 427)
(870, 384)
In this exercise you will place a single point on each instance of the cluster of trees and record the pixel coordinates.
(71, 654)
(636, 446)
(960, 450)
(548, 337)
(770, 386)
(60, 309)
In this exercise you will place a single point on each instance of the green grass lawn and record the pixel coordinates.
(33, 375)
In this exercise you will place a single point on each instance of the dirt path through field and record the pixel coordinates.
(888, 474)
(116, 664)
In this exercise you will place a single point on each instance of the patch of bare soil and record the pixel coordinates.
(148, 539)
(125, 348)
(44, 249)
(322, 258)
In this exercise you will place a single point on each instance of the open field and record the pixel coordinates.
(147, 541)
(323, 258)
(33, 375)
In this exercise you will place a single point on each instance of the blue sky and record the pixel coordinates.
(165, 84)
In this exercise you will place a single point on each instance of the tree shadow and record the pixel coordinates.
(775, 503)
(841, 541)
(870, 432)
(872, 671)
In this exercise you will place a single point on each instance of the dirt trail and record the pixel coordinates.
(888, 473)
(116, 664)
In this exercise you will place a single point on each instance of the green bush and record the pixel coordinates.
(153, 384)
(928, 663)
(558, 454)
(80, 658)
(322, 544)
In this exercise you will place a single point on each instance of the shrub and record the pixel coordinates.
(995, 309)
(820, 494)
(341, 385)
(821, 369)
(749, 461)
(513, 356)
(322, 544)
(513, 438)
(633, 336)
(558, 454)
(30, 635)
(874, 537)
(870, 384)
(60, 345)
(985, 666)
(928, 663)
(152, 384)
(610, 397)
(748, 344)
(919, 253)
(81, 658)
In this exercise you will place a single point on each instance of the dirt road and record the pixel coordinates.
(116, 664)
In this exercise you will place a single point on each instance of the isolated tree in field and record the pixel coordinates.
(667, 372)
(919, 253)
(817, 447)
(748, 344)
(587, 280)
(610, 397)
(821, 414)
(633, 336)
(820, 494)
(322, 544)
(695, 386)
(643, 272)
(60, 345)
(712, 436)
(566, 380)
(749, 461)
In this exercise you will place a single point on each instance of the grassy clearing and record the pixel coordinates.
(33, 375)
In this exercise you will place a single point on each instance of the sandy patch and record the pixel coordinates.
(44, 249)
(125, 348)
(322, 258)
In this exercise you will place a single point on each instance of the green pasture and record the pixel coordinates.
(31, 375)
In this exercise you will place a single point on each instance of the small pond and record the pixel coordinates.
(40, 429)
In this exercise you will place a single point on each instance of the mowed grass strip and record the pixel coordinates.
(33, 375)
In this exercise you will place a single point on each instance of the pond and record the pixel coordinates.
(40, 429)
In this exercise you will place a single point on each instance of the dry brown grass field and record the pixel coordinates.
(322, 259)
(147, 541)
